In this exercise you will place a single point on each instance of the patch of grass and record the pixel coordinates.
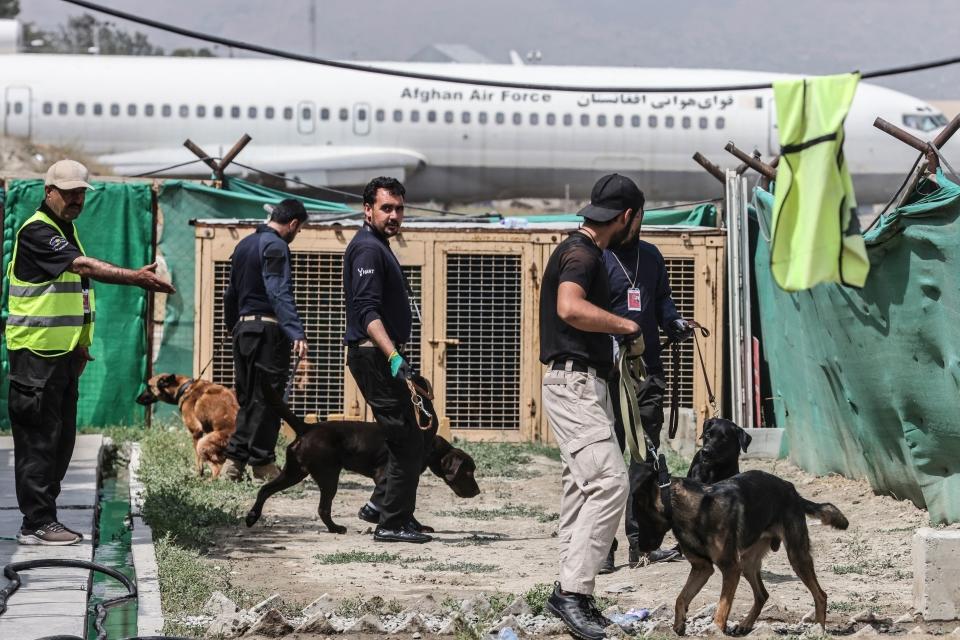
(506, 511)
(347, 557)
(498, 602)
(461, 567)
(900, 574)
(507, 459)
(842, 606)
(537, 597)
(676, 463)
(844, 569)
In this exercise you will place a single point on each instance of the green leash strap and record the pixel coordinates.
(632, 373)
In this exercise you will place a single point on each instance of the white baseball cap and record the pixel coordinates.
(67, 174)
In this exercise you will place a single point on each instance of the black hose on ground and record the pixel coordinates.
(11, 573)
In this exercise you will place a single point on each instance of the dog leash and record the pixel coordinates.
(417, 394)
(632, 373)
(674, 345)
(289, 389)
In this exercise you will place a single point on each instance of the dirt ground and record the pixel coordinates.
(504, 541)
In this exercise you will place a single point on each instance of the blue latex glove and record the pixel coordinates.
(399, 367)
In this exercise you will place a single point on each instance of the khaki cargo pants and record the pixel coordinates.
(594, 476)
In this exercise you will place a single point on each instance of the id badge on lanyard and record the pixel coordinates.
(633, 299)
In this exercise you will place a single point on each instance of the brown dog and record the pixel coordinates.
(732, 524)
(208, 410)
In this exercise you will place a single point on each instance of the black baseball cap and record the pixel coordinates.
(612, 195)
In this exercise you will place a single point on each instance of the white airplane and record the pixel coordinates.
(448, 142)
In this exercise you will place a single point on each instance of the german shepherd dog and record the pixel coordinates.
(208, 410)
(732, 524)
(322, 450)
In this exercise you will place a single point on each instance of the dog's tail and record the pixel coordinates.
(826, 512)
(275, 402)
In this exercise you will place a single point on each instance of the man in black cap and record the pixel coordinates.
(640, 290)
(261, 315)
(575, 330)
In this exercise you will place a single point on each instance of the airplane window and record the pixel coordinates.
(62, 108)
(482, 117)
(551, 119)
(398, 115)
(114, 109)
(601, 120)
(567, 120)
(234, 111)
(47, 108)
(362, 115)
(685, 122)
(381, 115)
(18, 108)
(131, 110)
(465, 117)
(584, 119)
(306, 113)
(166, 110)
(324, 113)
(81, 108)
(251, 112)
(703, 123)
(500, 118)
(924, 122)
(618, 121)
(634, 121)
(288, 113)
(344, 114)
(148, 110)
(201, 111)
(269, 112)
(517, 118)
(431, 116)
(652, 122)
(721, 122)
(668, 122)
(534, 118)
(448, 116)
(184, 111)
(414, 116)
(97, 109)
(218, 111)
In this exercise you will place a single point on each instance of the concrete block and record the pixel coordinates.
(765, 443)
(936, 564)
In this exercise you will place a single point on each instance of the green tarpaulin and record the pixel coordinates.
(116, 225)
(704, 215)
(866, 381)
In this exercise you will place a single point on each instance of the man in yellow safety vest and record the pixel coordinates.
(49, 330)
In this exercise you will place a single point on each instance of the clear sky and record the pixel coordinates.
(800, 36)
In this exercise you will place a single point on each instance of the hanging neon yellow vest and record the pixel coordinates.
(816, 235)
(48, 318)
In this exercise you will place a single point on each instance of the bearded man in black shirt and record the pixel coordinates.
(575, 344)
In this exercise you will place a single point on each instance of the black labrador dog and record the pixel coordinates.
(732, 525)
(719, 457)
(322, 450)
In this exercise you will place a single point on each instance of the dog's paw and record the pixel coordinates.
(680, 628)
(336, 528)
(251, 519)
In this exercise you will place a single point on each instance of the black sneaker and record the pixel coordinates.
(633, 555)
(601, 619)
(575, 611)
(415, 525)
(404, 534)
(369, 514)
(53, 534)
(609, 565)
(663, 555)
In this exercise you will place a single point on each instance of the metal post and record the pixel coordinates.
(738, 284)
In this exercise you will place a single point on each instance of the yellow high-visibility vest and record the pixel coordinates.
(816, 235)
(49, 318)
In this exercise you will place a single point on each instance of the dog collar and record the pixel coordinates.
(182, 389)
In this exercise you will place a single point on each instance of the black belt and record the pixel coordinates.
(575, 365)
(370, 344)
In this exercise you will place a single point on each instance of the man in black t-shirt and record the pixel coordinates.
(575, 344)
(49, 331)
